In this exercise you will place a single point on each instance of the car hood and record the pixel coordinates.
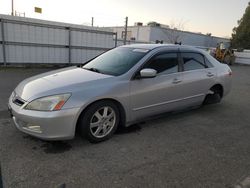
(55, 82)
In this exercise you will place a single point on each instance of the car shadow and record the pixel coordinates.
(50, 147)
(57, 147)
(131, 129)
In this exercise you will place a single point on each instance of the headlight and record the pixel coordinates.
(50, 103)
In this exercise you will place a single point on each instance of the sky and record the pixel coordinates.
(213, 16)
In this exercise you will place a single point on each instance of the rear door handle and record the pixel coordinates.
(209, 74)
(176, 81)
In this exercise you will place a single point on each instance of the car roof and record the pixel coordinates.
(154, 46)
(148, 46)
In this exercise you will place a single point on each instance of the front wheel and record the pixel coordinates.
(99, 121)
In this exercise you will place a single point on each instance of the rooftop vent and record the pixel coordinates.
(138, 24)
(154, 24)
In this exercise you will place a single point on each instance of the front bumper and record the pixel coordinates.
(56, 125)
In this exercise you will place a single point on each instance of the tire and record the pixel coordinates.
(227, 59)
(213, 98)
(99, 122)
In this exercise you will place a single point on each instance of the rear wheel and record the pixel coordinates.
(215, 96)
(99, 121)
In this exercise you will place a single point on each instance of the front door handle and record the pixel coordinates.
(176, 81)
(209, 74)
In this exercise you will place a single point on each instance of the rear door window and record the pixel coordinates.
(193, 61)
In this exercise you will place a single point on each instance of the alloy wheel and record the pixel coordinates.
(102, 122)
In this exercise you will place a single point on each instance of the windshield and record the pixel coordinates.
(116, 61)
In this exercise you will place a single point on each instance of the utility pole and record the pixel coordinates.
(126, 30)
(92, 21)
(12, 7)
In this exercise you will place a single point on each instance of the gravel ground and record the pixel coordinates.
(205, 147)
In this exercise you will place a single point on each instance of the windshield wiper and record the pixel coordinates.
(92, 69)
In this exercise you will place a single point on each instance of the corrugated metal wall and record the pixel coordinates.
(26, 40)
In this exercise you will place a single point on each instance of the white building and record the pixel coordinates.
(156, 32)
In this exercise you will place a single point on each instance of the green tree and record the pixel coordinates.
(241, 34)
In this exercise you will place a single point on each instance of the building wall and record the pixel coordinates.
(151, 34)
(187, 38)
(140, 33)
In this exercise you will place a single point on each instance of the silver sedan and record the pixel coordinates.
(118, 88)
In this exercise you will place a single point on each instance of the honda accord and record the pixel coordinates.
(118, 88)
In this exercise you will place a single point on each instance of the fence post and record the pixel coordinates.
(3, 42)
(69, 44)
(126, 31)
(116, 39)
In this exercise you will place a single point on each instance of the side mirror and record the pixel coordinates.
(148, 73)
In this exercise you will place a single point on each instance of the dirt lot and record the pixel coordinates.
(205, 147)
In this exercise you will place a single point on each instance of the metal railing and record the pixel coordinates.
(243, 57)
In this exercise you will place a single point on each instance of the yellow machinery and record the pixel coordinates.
(224, 55)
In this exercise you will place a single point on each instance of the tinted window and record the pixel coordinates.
(164, 63)
(116, 61)
(193, 61)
